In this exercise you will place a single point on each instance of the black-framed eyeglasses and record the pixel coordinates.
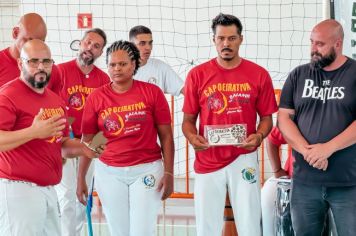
(35, 62)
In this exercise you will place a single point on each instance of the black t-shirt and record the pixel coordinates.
(325, 105)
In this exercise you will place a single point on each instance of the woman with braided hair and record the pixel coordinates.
(129, 176)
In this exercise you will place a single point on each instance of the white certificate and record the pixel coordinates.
(222, 135)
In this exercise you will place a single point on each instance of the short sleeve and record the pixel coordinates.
(90, 116)
(286, 100)
(266, 102)
(173, 84)
(161, 113)
(191, 99)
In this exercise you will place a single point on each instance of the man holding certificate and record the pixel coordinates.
(227, 92)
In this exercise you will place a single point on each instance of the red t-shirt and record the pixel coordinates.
(76, 88)
(227, 96)
(38, 161)
(277, 139)
(8, 67)
(128, 121)
(9, 70)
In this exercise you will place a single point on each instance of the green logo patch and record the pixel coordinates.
(249, 174)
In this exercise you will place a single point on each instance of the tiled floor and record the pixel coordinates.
(176, 218)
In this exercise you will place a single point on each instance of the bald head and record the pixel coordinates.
(326, 45)
(34, 24)
(30, 26)
(35, 64)
(330, 27)
(35, 49)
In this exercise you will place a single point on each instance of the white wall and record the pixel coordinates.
(9, 12)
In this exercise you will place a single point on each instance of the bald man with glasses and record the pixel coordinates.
(33, 135)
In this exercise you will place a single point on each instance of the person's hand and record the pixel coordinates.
(317, 154)
(198, 142)
(88, 152)
(166, 185)
(82, 191)
(77, 148)
(251, 142)
(100, 149)
(323, 165)
(281, 172)
(51, 127)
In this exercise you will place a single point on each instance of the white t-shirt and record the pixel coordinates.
(159, 73)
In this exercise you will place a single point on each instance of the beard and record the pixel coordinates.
(322, 61)
(84, 60)
(31, 79)
(226, 58)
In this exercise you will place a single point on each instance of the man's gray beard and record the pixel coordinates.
(83, 62)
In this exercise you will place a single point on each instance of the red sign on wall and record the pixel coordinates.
(85, 21)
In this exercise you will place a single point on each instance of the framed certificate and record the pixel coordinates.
(222, 135)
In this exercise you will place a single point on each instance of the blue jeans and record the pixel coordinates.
(310, 204)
